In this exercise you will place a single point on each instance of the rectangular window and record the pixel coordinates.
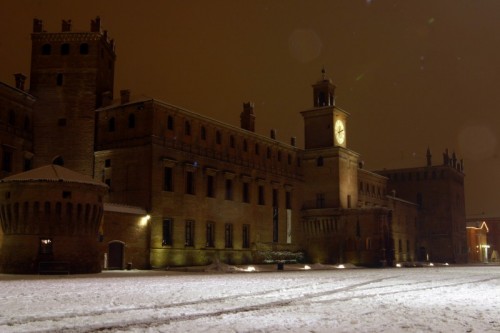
(229, 189)
(210, 186)
(320, 200)
(107, 163)
(61, 122)
(190, 182)
(7, 161)
(275, 224)
(246, 192)
(228, 235)
(168, 181)
(45, 246)
(246, 236)
(261, 195)
(210, 234)
(288, 200)
(167, 232)
(275, 198)
(189, 233)
(28, 164)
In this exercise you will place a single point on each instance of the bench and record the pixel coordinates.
(53, 267)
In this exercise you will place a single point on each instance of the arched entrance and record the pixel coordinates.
(115, 255)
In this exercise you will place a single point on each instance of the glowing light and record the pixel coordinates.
(250, 269)
(341, 266)
(398, 265)
(307, 267)
(446, 264)
(144, 220)
(431, 264)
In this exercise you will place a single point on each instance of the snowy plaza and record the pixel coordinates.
(229, 299)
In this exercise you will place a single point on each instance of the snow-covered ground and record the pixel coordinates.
(428, 299)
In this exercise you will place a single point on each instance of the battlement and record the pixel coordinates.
(66, 34)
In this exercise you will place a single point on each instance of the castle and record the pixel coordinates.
(92, 182)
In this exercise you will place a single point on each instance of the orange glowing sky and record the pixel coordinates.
(413, 74)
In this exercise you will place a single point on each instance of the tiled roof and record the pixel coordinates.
(53, 173)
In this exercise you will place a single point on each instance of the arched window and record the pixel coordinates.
(218, 137)
(319, 161)
(84, 48)
(131, 120)
(257, 149)
(187, 128)
(58, 161)
(46, 49)
(111, 124)
(245, 145)
(65, 49)
(231, 141)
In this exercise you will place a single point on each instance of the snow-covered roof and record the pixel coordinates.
(52, 173)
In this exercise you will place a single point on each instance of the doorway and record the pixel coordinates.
(115, 255)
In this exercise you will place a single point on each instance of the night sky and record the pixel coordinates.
(413, 74)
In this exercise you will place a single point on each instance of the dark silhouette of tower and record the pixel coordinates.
(70, 74)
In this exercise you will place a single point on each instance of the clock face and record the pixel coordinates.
(339, 131)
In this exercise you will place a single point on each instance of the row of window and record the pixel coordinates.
(416, 176)
(12, 120)
(210, 235)
(203, 136)
(64, 49)
(371, 189)
(211, 188)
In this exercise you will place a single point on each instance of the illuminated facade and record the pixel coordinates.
(477, 241)
(185, 189)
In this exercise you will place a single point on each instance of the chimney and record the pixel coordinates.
(66, 25)
(247, 117)
(37, 25)
(95, 25)
(20, 79)
(107, 98)
(124, 96)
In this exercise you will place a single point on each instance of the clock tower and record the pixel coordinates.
(325, 124)
(330, 168)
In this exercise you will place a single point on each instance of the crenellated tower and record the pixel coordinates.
(71, 72)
